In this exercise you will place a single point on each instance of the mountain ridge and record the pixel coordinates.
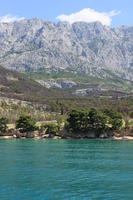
(35, 45)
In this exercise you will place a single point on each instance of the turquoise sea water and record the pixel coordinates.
(66, 170)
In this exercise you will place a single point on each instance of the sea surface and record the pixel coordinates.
(66, 170)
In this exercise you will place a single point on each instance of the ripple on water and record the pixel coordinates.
(66, 169)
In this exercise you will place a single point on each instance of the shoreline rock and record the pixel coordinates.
(69, 138)
(63, 134)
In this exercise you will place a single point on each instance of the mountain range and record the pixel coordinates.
(92, 49)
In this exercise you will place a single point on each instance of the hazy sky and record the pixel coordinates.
(109, 12)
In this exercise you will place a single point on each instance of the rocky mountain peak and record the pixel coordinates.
(35, 44)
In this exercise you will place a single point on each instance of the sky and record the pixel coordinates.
(108, 12)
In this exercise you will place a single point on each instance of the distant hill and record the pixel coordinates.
(40, 100)
(19, 86)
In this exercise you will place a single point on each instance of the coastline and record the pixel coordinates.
(125, 138)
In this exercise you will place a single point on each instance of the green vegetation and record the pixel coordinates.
(79, 123)
(22, 97)
(83, 121)
(131, 115)
(115, 119)
(19, 86)
(3, 124)
(39, 100)
(59, 122)
(110, 81)
(26, 124)
(51, 129)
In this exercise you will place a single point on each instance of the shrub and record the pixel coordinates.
(77, 121)
(3, 124)
(97, 120)
(51, 128)
(59, 122)
(115, 119)
(131, 115)
(26, 124)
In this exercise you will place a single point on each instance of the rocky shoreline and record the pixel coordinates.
(68, 137)
(64, 134)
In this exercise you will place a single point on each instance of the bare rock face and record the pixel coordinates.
(60, 83)
(32, 45)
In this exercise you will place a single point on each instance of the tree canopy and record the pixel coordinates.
(3, 124)
(26, 123)
(83, 121)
